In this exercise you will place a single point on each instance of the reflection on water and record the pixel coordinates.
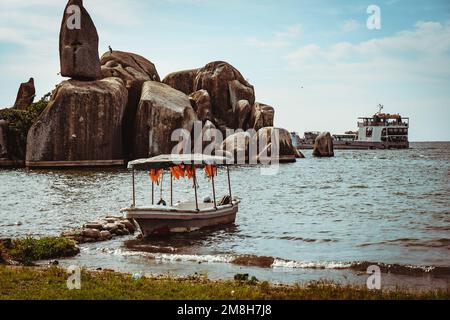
(382, 206)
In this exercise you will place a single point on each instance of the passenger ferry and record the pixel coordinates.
(381, 131)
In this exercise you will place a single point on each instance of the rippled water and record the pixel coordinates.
(390, 207)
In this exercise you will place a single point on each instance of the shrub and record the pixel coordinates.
(28, 250)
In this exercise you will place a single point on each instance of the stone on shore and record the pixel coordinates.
(78, 44)
(182, 80)
(161, 111)
(83, 121)
(25, 96)
(323, 146)
(243, 111)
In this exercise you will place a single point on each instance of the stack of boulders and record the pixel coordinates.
(102, 230)
(117, 108)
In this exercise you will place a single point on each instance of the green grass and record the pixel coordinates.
(28, 250)
(50, 284)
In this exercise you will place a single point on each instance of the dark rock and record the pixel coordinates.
(262, 116)
(242, 113)
(91, 233)
(25, 96)
(286, 151)
(128, 66)
(130, 226)
(161, 110)
(105, 235)
(134, 70)
(78, 45)
(83, 121)
(225, 85)
(94, 225)
(202, 104)
(4, 139)
(182, 80)
(323, 146)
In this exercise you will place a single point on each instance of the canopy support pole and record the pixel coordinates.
(171, 189)
(153, 193)
(214, 192)
(134, 190)
(229, 183)
(195, 188)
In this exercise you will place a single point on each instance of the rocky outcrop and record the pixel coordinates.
(286, 151)
(25, 96)
(102, 230)
(134, 70)
(128, 66)
(262, 116)
(182, 80)
(238, 146)
(201, 104)
(4, 139)
(242, 114)
(323, 146)
(78, 44)
(226, 86)
(83, 121)
(161, 110)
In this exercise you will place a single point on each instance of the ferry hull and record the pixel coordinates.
(360, 145)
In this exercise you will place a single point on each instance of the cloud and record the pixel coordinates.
(419, 54)
(351, 25)
(279, 39)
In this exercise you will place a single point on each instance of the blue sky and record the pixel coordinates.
(345, 69)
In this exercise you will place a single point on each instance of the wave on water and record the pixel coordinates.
(277, 263)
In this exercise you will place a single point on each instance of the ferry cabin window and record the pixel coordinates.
(369, 132)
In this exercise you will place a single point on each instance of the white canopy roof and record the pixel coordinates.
(169, 160)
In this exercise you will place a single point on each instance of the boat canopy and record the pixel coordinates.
(167, 161)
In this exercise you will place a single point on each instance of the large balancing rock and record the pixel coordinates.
(78, 44)
(82, 122)
(25, 96)
(161, 110)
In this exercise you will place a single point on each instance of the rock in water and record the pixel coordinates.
(323, 146)
(78, 44)
(25, 96)
(161, 110)
(4, 139)
(83, 121)
(182, 80)
(262, 116)
(286, 151)
(226, 86)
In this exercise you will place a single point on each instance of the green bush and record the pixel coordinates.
(28, 250)
(20, 121)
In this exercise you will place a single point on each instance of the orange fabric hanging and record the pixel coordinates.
(177, 172)
(154, 175)
(210, 171)
(190, 171)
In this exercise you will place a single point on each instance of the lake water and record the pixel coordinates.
(317, 218)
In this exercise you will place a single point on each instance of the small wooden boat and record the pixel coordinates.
(182, 217)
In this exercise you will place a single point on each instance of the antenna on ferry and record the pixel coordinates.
(381, 107)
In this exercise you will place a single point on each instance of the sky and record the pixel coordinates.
(314, 61)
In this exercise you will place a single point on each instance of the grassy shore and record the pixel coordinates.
(34, 283)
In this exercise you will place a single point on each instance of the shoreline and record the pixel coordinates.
(47, 283)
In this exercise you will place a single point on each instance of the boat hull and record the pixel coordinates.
(360, 145)
(153, 222)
